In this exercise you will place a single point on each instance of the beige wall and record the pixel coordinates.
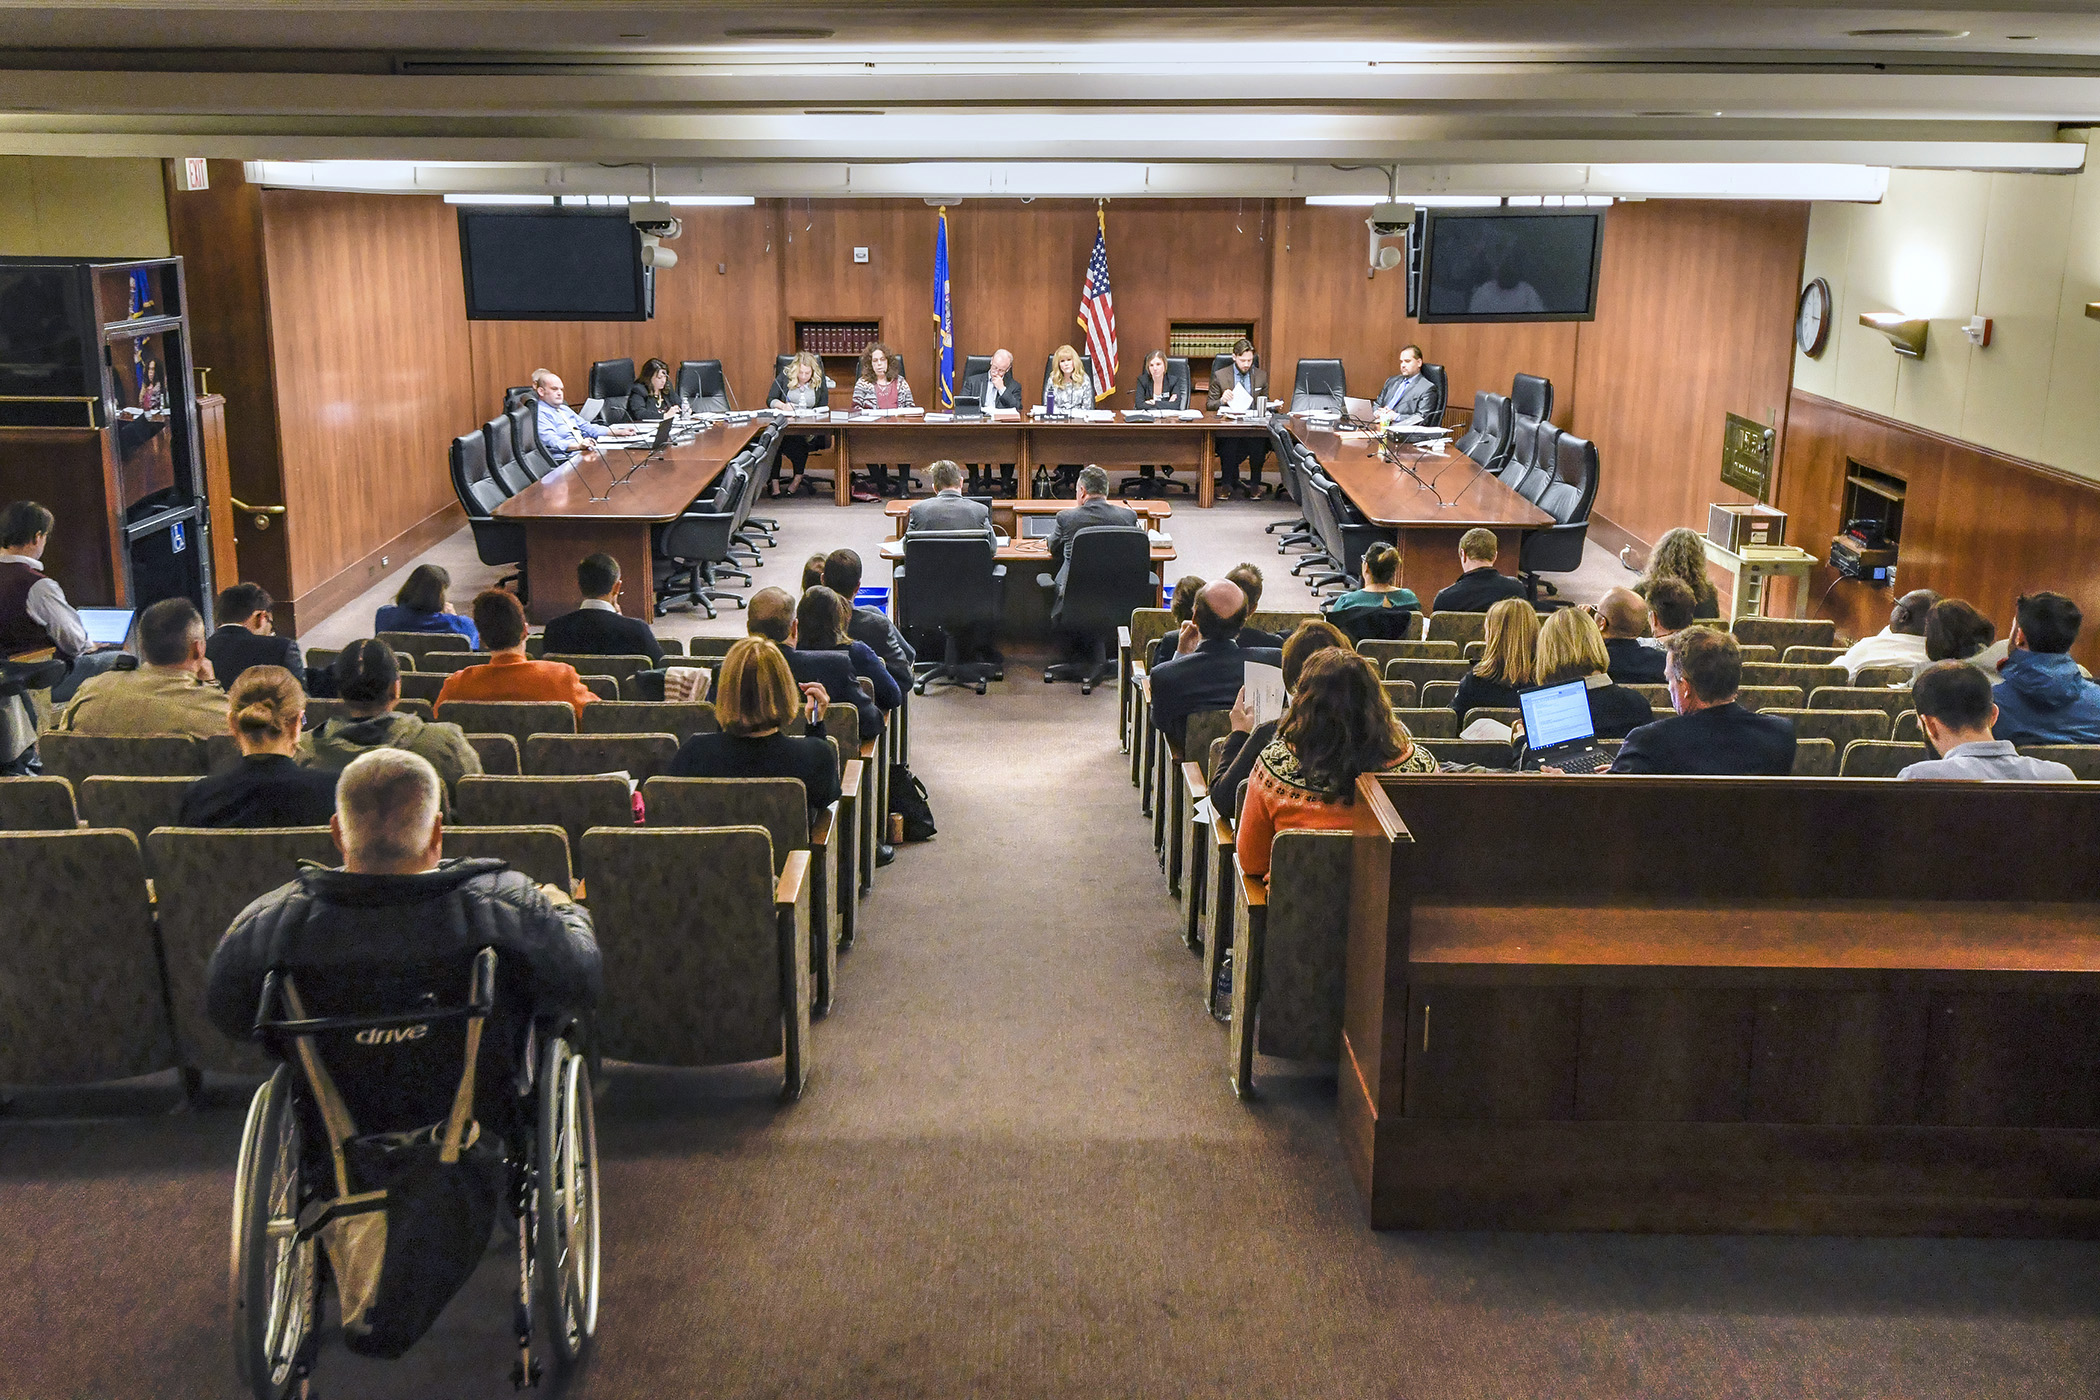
(66, 206)
(2023, 250)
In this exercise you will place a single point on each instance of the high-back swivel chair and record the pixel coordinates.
(1107, 577)
(951, 583)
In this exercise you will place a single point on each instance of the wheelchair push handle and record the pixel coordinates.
(269, 1020)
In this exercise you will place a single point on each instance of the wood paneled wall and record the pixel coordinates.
(1977, 524)
(369, 346)
(1695, 317)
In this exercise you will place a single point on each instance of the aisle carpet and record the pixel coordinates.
(1018, 1171)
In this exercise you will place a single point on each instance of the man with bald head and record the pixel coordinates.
(1901, 643)
(1209, 663)
(1623, 618)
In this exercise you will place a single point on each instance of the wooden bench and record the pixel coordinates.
(1860, 1006)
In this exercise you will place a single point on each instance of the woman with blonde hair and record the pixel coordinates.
(1070, 387)
(798, 389)
(1571, 648)
(264, 710)
(1681, 554)
(1339, 728)
(755, 699)
(882, 385)
(1510, 663)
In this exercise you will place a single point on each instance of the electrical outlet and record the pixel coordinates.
(384, 561)
(860, 255)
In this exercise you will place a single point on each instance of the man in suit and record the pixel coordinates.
(771, 614)
(1710, 733)
(997, 388)
(598, 627)
(948, 508)
(1248, 577)
(1480, 585)
(1093, 509)
(1209, 664)
(841, 575)
(1623, 618)
(1409, 394)
(246, 636)
(1238, 386)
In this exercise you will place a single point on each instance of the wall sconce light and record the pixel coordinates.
(1977, 331)
(1907, 336)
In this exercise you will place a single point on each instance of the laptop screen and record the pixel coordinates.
(106, 626)
(1557, 714)
(1038, 527)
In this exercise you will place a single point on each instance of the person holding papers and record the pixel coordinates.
(650, 398)
(882, 386)
(1157, 392)
(1253, 727)
(1240, 387)
(563, 433)
(798, 389)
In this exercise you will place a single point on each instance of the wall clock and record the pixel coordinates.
(1812, 318)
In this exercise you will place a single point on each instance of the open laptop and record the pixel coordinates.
(1559, 731)
(1362, 410)
(107, 627)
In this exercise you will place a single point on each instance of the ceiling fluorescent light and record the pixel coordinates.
(499, 199)
(1420, 201)
(692, 200)
(1345, 201)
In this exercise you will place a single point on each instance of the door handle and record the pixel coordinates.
(262, 514)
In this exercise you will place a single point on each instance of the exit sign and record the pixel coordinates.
(195, 174)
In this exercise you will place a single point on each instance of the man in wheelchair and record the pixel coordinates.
(426, 1011)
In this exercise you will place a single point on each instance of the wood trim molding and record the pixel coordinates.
(2055, 475)
(332, 593)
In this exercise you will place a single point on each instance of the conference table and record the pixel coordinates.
(1186, 444)
(565, 519)
(1027, 603)
(1430, 499)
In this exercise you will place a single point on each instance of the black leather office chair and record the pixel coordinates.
(610, 380)
(1158, 480)
(1108, 575)
(702, 385)
(535, 460)
(1086, 359)
(780, 367)
(978, 475)
(1218, 362)
(502, 456)
(1488, 438)
(1320, 384)
(1531, 396)
(1557, 549)
(972, 366)
(951, 583)
(1435, 375)
(495, 541)
(517, 394)
(694, 547)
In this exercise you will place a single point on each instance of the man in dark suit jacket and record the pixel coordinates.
(1094, 508)
(771, 613)
(996, 388)
(1251, 382)
(1409, 394)
(599, 628)
(244, 637)
(1710, 733)
(1623, 618)
(1480, 586)
(842, 572)
(1249, 579)
(1207, 672)
(948, 508)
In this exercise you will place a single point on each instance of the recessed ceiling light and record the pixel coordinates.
(1675, 112)
(777, 31)
(2023, 37)
(634, 36)
(842, 111)
(1908, 33)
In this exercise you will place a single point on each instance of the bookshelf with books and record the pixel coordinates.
(837, 342)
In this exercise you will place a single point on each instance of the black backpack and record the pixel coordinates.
(908, 800)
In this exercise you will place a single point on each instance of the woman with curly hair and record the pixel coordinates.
(1681, 554)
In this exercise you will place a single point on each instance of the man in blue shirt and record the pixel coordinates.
(562, 430)
(2042, 698)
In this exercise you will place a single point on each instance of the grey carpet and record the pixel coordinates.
(1018, 1171)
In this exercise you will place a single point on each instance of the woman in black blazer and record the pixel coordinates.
(755, 694)
(1157, 391)
(650, 398)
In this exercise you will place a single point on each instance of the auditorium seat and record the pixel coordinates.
(1430, 721)
(1655, 693)
(781, 807)
(1422, 670)
(419, 691)
(1756, 652)
(1808, 656)
(1439, 694)
(82, 978)
(133, 804)
(37, 804)
(1852, 697)
(1785, 632)
(714, 949)
(1474, 651)
(444, 663)
(1453, 626)
(1906, 729)
(575, 804)
(1287, 960)
(1884, 676)
(1203, 727)
(419, 645)
(639, 756)
(498, 752)
(539, 853)
(1873, 758)
(1378, 651)
(1482, 753)
(1839, 726)
(1771, 697)
(78, 757)
(521, 719)
(1507, 715)
(1815, 758)
(2082, 759)
(681, 718)
(1807, 678)
(1401, 695)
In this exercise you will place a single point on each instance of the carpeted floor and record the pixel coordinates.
(1018, 1171)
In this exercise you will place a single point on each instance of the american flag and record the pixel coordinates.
(1097, 313)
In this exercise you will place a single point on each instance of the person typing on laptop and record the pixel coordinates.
(34, 613)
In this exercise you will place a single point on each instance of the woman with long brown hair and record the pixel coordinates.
(882, 385)
(1340, 727)
(1509, 665)
(1681, 554)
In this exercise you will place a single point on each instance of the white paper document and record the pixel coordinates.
(1264, 687)
(1486, 729)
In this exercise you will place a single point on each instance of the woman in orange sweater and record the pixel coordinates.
(509, 674)
(1340, 725)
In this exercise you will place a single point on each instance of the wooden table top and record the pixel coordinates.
(1022, 551)
(657, 492)
(1155, 509)
(1392, 498)
(1208, 422)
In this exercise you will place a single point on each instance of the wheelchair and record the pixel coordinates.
(286, 1184)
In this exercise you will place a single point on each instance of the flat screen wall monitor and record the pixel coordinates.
(1511, 265)
(553, 265)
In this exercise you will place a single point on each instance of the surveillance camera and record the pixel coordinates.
(1391, 220)
(654, 217)
(655, 254)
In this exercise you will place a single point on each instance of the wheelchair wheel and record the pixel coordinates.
(275, 1275)
(567, 1204)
